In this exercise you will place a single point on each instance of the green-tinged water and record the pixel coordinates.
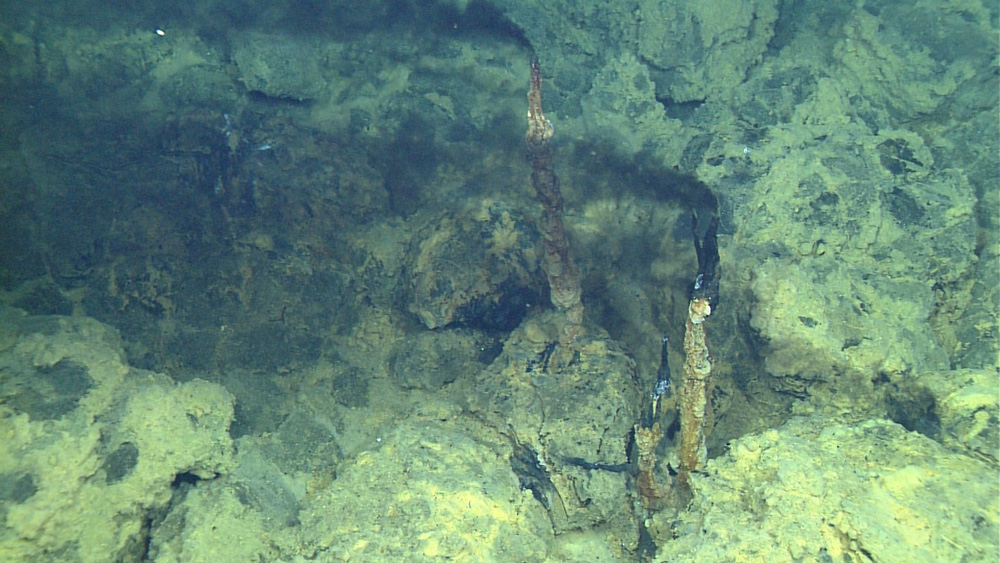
(274, 283)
